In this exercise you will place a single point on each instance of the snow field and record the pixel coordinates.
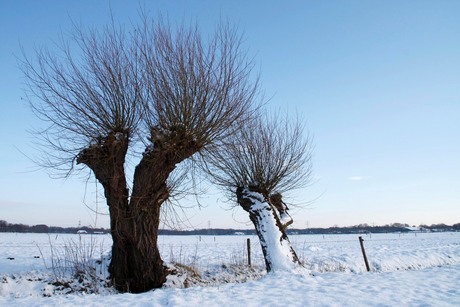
(421, 269)
(322, 253)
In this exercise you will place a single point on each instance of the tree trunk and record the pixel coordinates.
(106, 160)
(136, 265)
(276, 248)
(146, 268)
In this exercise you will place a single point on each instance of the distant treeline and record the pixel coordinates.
(364, 228)
(8, 227)
(361, 228)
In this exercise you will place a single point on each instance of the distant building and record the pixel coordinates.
(417, 229)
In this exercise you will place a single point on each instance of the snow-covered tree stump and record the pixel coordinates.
(276, 247)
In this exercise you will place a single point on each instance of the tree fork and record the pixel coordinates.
(150, 191)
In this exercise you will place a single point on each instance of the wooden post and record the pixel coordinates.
(248, 243)
(364, 253)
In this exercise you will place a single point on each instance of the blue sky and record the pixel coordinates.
(377, 81)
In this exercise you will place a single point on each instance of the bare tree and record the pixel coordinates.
(265, 159)
(170, 92)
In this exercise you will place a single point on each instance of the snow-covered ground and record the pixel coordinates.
(414, 269)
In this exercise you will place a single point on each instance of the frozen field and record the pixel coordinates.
(413, 269)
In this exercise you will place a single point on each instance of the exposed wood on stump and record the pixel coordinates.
(284, 217)
(257, 205)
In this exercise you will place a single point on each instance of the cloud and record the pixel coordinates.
(358, 178)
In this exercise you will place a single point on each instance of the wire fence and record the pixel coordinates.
(322, 253)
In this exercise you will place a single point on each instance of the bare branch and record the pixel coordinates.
(83, 100)
(270, 153)
(200, 88)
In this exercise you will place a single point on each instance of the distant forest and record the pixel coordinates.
(361, 228)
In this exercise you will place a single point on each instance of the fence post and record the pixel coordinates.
(248, 243)
(364, 253)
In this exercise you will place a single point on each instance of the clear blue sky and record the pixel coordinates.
(377, 81)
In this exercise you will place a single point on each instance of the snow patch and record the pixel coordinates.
(414, 269)
(278, 249)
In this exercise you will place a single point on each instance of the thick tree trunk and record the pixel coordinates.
(136, 264)
(276, 248)
(106, 159)
(147, 270)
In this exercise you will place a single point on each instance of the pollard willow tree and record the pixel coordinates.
(263, 161)
(168, 93)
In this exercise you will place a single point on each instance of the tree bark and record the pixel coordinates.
(106, 159)
(136, 265)
(150, 191)
(276, 247)
(139, 267)
(284, 217)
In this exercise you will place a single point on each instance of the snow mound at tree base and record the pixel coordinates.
(183, 276)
